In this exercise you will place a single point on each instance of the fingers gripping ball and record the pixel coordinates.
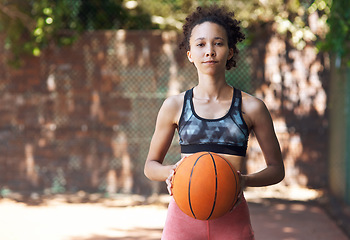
(205, 186)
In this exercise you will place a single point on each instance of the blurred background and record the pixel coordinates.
(81, 83)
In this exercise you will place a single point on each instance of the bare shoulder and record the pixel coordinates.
(251, 104)
(172, 107)
(174, 101)
(253, 109)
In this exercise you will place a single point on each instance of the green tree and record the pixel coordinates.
(338, 37)
(30, 26)
(288, 17)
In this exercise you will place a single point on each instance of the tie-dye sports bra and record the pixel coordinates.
(227, 135)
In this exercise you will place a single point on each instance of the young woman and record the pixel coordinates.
(210, 38)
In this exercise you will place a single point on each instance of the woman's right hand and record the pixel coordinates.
(169, 180)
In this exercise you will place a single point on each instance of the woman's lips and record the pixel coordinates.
(210, 62)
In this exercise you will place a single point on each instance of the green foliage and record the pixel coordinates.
(167, 14)
(288, 17)
(30, 26)
(338, 37)
(111, 14)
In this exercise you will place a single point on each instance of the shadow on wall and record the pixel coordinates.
(293, 84)
(81, 117)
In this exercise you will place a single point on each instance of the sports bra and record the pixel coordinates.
(227, 135)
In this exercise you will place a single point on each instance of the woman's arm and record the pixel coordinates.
(262, 125)
(161, 140)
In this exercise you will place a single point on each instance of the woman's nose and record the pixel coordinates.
(210, 52)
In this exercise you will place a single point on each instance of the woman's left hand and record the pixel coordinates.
(169, 180)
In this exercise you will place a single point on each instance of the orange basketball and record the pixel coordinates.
(205, 186)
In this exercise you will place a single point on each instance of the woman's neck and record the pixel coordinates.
(213, 89)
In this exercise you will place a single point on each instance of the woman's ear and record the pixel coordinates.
(189, 56)
(230, 54)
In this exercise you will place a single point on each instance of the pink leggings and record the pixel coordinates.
(234, 225)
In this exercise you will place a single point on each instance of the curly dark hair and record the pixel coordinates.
(220, 16)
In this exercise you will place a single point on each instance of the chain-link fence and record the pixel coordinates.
(81, 117)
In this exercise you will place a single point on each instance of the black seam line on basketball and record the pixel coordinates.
(234, 174)
(216, 186)
(189, 185)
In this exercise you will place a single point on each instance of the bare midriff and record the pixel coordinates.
(236, 161)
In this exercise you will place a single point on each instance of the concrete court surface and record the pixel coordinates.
(110, 220)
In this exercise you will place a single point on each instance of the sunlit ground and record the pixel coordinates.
(56, 220)
(292, 213)
(276, 215)
(280, 192)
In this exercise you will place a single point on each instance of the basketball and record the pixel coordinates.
(205, 186)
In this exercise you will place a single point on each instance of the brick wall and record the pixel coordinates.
(294, 85)
(81, 117)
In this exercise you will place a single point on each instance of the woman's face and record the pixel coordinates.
(209, 49)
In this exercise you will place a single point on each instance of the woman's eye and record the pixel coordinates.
(219, 44)
(200, 44)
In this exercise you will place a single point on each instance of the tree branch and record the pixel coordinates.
(14, 13)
